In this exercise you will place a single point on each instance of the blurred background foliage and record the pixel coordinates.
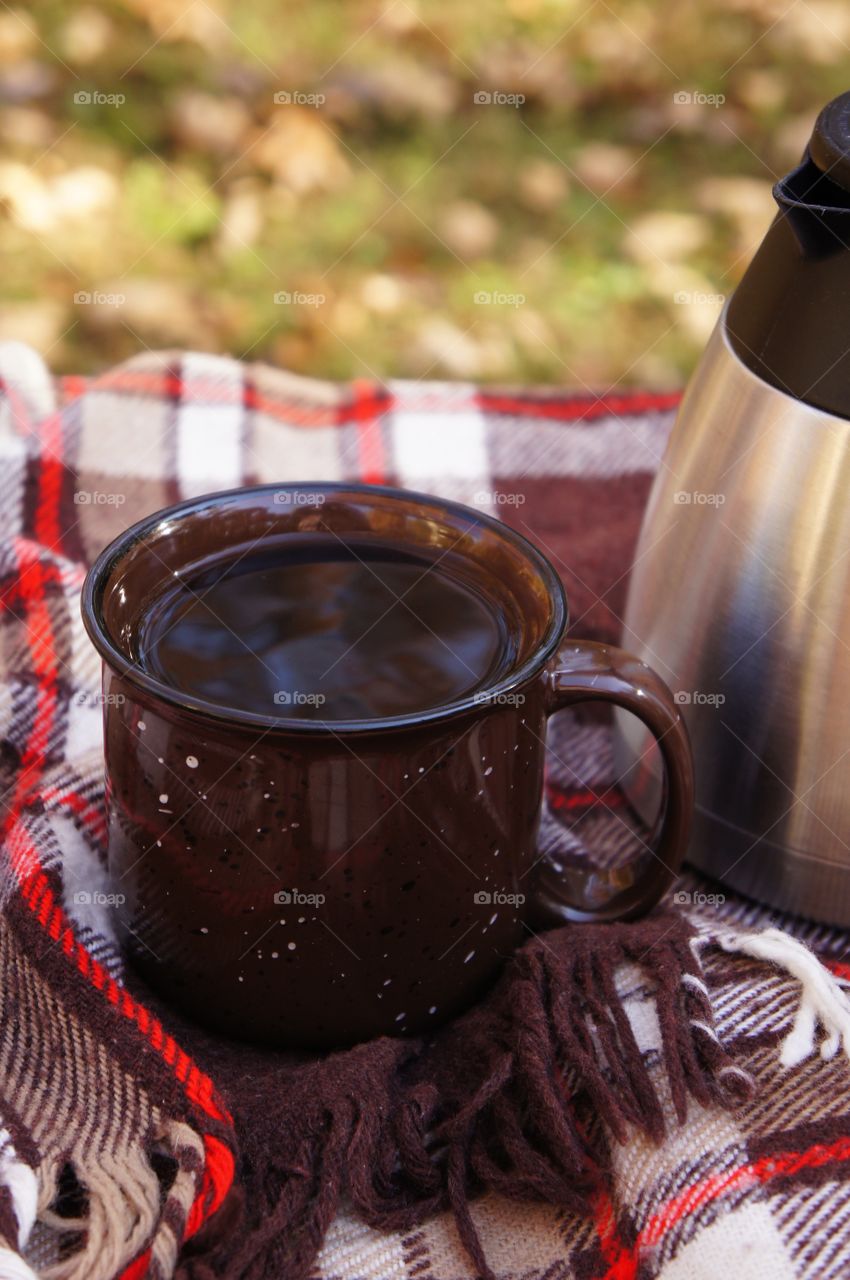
(321, 184)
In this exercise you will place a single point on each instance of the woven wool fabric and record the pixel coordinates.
(89, 1077)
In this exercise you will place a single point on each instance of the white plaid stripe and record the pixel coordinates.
(443, 451)
(209, 455)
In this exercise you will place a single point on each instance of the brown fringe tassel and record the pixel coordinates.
(507, 1099)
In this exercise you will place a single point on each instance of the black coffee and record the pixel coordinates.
(315, 628)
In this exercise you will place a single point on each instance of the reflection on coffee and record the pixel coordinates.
(321, 628)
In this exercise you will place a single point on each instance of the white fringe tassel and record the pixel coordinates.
(822, 1001)
(13, 1267)
(21, 1183)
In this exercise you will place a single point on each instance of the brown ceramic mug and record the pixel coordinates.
(314, 882)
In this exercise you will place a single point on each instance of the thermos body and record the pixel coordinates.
(740, 598)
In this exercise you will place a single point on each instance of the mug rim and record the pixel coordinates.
(477, 700)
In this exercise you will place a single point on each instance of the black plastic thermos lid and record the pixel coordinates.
(828, 146)
(789, 318)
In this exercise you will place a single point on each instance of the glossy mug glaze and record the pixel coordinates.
(308, 882)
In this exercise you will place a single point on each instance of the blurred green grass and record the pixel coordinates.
(605, 218)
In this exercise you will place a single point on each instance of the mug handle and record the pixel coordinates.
(589, 672)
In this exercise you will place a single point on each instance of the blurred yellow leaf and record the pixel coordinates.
(301, 151)
(18, 35)
(242, 216)
(665, 235)
(602, 166)
(468, 228)
(382, 294)
(199, 20)
(87, 35)
(543, 184)
(209, 122)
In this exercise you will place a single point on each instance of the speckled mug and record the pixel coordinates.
(307, 883)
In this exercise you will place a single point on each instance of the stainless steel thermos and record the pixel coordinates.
(740, 592)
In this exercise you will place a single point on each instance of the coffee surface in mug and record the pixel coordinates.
(317, 627)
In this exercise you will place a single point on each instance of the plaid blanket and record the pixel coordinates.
(91, 1079)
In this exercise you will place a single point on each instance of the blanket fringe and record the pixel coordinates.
(122, 1214)
(12, 1265)
(509, 1099)
(122, 1207)
(591, 1034)
(822, 1001)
